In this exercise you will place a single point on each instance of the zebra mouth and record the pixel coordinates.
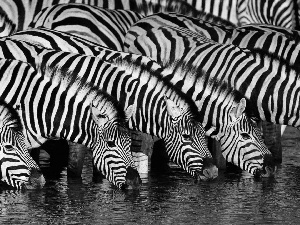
(207, 174)
(265, 172)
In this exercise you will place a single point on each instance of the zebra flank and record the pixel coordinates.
(278, 41)
(18, 169)
(281, 13)
(103, 26)
(17, 15)
(227, 117)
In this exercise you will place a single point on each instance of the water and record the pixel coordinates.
(234, 198)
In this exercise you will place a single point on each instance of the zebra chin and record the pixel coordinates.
(209, 171)
(36, 180)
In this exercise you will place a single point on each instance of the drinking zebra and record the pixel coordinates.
(280, 42)
(161, 110)
(54, 103)
(173, 51)
(60, 40)
(18, 169)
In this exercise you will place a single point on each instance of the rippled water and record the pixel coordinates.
(234, 198)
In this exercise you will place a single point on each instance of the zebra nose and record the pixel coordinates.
(36, 179)
(209, 172)
(268, 169)
(133, 180)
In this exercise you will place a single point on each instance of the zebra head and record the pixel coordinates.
(111, 151)
(18, 169)
(242, 144)
(186, 144)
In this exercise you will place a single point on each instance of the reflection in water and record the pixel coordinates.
(173, 198)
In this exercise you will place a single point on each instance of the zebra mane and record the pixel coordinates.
(70, 81)
(217, 87)
(135, 65)
(10, 117)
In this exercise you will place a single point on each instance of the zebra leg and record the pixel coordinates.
(272, 137)
(141, 149)
(159, 158)
(76, 159)
(215, 149)
(283, 127)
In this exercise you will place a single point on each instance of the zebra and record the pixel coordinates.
(241, 12)
(277, 41)
(166, 113)
(92, 118)
(103, 26)
(18, 169)
(17, 15)
(168, 45)
(250, 73)
(59, 40)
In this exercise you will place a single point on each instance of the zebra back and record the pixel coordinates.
(277, 41)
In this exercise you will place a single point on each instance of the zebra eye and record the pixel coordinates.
(111, 144)
(8, 147)
(245, 136)
(186, 137)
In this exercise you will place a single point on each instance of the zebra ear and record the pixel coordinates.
(172, 109)
(239, 109)
(129, 112)
(98, 117)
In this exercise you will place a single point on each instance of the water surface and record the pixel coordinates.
(174, 198)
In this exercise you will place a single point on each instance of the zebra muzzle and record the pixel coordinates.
(133, 179)
(269, 168)
(209, 172)
(36, 180)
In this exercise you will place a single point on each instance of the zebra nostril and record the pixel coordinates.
(124, 186)
(111, 144)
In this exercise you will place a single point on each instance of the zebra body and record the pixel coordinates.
(161, 111)
(17, 15)
(18, 169)
(103, 26)
(241, 12)
(63, 106)
(278, 41)
(228, 10)
(173, 50)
